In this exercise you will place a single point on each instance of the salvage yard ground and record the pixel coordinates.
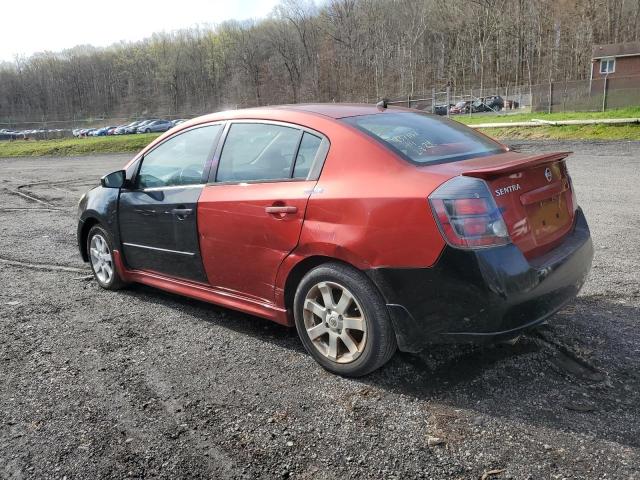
(140, 383)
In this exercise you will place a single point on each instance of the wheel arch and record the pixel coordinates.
(86, 226)
(300, 269)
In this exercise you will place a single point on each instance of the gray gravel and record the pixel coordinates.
(140, 383)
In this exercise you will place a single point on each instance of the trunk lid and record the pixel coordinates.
(535, 196)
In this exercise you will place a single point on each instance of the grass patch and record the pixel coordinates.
(568, 132)
(66, 147)
(631, 112)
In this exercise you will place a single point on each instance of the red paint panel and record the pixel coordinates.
(370, 207)
(201, 292)
(538, 211)
(541, 211)
(242, 244)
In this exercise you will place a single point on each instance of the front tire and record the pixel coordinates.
(343, 321)
(100, 250)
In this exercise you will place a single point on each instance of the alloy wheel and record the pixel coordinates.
(101, 259)
(335, 322)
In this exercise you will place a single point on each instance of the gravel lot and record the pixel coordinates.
(140, 383)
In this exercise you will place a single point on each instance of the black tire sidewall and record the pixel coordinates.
(379, 330)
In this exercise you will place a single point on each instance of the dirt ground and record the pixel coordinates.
(140, 383)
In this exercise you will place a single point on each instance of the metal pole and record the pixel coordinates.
(550, 95)
(433, 100)
(471, 100)
(409, 101)
(604, 93)
(519, 96)
(448, 99)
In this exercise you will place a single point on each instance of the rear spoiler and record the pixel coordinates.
(516, 165)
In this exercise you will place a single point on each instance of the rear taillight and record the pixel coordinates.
(467, 214)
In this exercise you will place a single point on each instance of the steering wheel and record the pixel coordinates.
(149, 181)
(189, 173)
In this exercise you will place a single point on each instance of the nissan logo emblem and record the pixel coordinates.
(548, 175)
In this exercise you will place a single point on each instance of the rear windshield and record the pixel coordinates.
(425, 139)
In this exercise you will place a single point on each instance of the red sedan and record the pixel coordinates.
(368, 228)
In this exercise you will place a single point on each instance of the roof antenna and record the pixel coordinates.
(383, 104)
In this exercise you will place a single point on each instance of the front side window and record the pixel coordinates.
(180, 160)
(258, 151)
(425, 139)
(607, 65)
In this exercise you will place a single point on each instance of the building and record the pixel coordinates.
(614, 82)
(615, 73)
(615, 60)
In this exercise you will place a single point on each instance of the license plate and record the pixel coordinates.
(548, 216)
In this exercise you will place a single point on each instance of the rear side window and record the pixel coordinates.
(306, 154)
(258, 151)
(425, 139)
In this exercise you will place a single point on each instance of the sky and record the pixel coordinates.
(54, 25)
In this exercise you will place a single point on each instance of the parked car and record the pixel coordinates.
(460, 107)
(178, 121)
(441, 109)
(122, 129)
(488, 104)
(133, 127)
(6, 134)
(156, 126)
(101, 132)
(430, 233)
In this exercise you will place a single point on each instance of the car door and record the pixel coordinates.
(158, 214)
(250, 218)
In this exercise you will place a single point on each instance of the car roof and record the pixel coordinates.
(296, 113)
(338, 110)
(328, 110)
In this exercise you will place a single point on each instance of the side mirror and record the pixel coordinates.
(114, 180)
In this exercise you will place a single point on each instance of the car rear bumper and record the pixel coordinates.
(483, 295)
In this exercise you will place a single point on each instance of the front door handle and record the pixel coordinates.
(181, 213)
(281, 209)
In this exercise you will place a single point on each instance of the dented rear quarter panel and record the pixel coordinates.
(370, 208)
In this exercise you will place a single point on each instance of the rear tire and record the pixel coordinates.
(100, 253)
(343, 321)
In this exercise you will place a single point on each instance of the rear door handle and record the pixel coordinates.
(281, 209)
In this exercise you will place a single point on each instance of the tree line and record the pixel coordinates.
(341, 50)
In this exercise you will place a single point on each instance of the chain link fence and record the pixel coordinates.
(597, 94)
(469, 101)
(591, 95)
